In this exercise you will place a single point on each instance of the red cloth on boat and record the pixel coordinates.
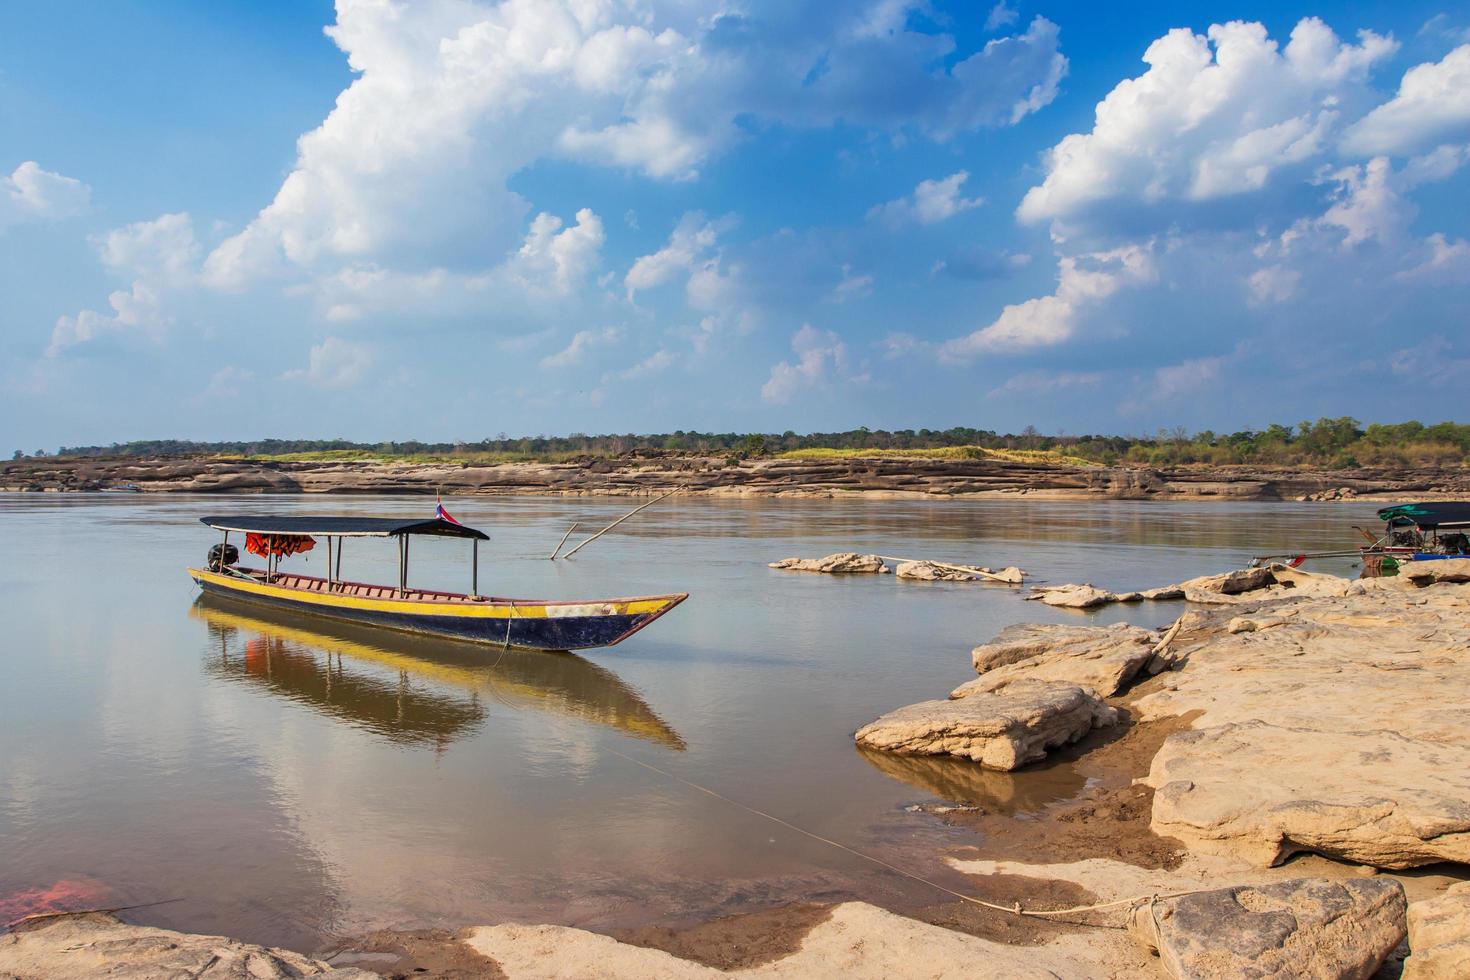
(280, 545)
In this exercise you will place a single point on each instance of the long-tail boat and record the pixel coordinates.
(1411, 532)
(1418, 532)
(541, 624)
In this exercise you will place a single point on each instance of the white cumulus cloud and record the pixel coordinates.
(560, 257)
(821, 357)
(582, 343)
(1214, 115)
(931, 202)
(452, 97)
(334, 363)
(33, 194)
(1446, 261)
(692, 239)
(1045, 321)
(163, 249)
(135, 307)
(1432, 105)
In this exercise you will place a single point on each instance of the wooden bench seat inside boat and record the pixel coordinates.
(307, 583)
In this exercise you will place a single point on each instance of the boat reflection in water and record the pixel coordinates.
(411, 688)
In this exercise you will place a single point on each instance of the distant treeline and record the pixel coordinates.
(1340, 443)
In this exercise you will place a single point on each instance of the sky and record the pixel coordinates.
(456, 219)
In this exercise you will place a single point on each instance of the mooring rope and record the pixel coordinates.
(38, 916)
(1013, 909)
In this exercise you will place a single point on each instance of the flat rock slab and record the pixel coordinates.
(845, 562)
(1263, 792)
(1231, 583)
(95, 944)
(1100, 658)
(1075, 596)
(927, 571)
(1307, 927)
(1439, 936)
(930, 571)
(1003, 729)
(1436, 570)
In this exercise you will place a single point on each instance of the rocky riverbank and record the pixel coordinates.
(880, 476)
(1312, 727)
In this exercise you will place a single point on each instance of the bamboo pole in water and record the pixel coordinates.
(621, 520)
(563, 541)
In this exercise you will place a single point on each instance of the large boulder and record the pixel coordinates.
(1296, 582)
(1003, 729)
(927, 571)
(95, 944)
(1100, 658)
(1435, 570)
(1074, 596)
(1362, 664)
(930, 571)
(842, 562)
(1307, 927)
(1439, 936)
(1263, 792)
(1231, 583)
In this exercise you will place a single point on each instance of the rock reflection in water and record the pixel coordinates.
(958, 781)
(434, 691)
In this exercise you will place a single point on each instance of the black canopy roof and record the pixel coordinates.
(351, 527)
(1452, 513)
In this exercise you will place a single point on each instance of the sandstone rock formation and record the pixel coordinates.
(1073, 596)
(644, 473)
(1439, 936)
(1100, 658)
(1332, 724)
(929, 571)
(1265, 792)
(1230, 583)
(1437, 570)
(1243, 585)
(95, 944)
(1308, 927)
(842, 562)
(1001, 729)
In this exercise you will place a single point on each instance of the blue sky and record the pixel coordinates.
(447, 220)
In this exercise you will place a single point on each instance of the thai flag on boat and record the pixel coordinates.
(440, 512)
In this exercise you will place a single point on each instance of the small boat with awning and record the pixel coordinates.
(543, 624)
(1418, 532)
(1411, 532)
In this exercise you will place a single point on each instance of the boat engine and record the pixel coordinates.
(228, 552)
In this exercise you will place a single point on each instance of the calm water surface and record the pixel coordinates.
(292, 781)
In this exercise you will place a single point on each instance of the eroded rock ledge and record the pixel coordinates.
(883, 476)
(1325, 715)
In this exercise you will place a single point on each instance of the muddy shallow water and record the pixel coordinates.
(290, 780)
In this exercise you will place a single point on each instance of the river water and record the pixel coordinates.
(290, 781)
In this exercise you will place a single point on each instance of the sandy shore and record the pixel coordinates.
(878, 477)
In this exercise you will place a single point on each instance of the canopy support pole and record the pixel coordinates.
(329, 563)
(340, 540)
(474, 566)
(402, 565)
